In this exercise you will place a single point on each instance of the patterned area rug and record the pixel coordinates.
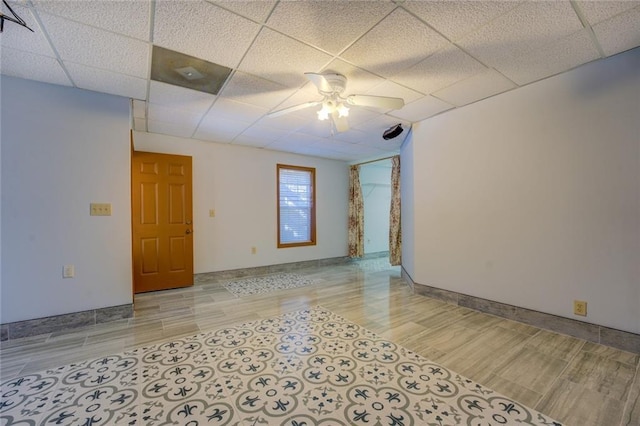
(261, 285)
(310, 367)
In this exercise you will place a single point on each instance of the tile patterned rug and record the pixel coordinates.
(310, 367)
(261, 285)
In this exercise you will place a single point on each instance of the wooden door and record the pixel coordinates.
(162, 227)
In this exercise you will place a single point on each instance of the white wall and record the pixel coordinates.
(532, 198)
(62, 149)
(375, 180)
(407, 205)
(240, 184)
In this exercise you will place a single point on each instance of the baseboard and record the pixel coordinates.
(211, 277)
(618, 339)
(38, 326)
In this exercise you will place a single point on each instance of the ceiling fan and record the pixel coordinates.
(334, 106)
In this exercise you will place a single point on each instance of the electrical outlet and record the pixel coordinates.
(212, 212)
(254, 250)
(68, 271)
(580, 308)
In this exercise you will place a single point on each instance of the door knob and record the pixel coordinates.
(188, 231)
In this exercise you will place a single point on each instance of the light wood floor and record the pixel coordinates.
(576, 382)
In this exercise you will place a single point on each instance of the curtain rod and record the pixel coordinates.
(373, 161)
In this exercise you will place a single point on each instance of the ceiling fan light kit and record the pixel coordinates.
(334, 106)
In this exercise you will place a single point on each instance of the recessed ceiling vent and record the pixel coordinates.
(183, 70)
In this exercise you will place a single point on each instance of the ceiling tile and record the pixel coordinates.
(227, 108)
(97, 48)
(33, 67)
(173, 115)
(212, 122)
(422, 109)
(21, 38)
(139, 124)
(107, 82)
(439, 70)
(182, 130)
(454, 19)
(180, 97)
(480, 86)
(139, 109)
(282, 59)
(394, 90)
(396, 43)
(358, 80)
(129, 18)
(203, 30)
(331, 26)
(255, 91)
(215, 135)
(553, 59)
(529, 27)
(619, 33)
(598, 11)
(257, 10)
(289, 122)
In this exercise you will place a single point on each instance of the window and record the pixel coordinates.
(296, 206)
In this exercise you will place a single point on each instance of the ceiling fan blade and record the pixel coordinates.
(293, 108)
(341, 123)
(375, 101)
(319, 80)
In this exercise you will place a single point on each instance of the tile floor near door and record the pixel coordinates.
(573, 381)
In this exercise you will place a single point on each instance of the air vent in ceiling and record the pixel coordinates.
(183, 70)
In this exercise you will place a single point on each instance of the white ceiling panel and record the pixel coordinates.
(187, 27)
(217, 135)
(396, 43)
(358, 80)
(394, 90)
(619, 33)
(173, 115)
(454, 19)
(439, 70)
(107, 82)
(23, 39)
(460, 51)
(214, 123)
(481, 86)
(237, 110)
(555, 58)
(330, 26)
(139, 109)
(256, 10)
(140, 124)
(126, 17)
(293, 59)
(182, 130)
(530, 26)
(598, 11)
(29, 66)
(180, 97)
(255, 91)
(97, 48)
(422, 109)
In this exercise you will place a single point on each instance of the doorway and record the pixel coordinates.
(162, 221)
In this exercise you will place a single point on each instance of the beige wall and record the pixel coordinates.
(532, 198)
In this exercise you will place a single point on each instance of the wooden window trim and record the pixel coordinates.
(312, 214)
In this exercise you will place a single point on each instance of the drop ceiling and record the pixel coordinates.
(436, 55)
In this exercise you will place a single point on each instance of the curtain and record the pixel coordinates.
(356, 214)
(395, 229)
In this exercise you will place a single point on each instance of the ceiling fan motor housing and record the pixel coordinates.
(336, 82)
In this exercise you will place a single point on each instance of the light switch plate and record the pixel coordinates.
(100, 209)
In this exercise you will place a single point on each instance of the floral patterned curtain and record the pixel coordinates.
(395, 229)
(356, 214)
